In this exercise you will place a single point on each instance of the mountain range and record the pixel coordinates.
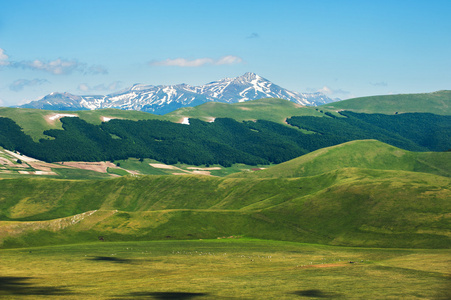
(163, 99)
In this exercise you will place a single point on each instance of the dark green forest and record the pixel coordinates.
(225, 141)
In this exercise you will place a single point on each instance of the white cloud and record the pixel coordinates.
(228, 60)
(20, 84)
(334, 92)
(325, 90)
(182, 62)
(84, 87)
(56, 67)
(3, 58)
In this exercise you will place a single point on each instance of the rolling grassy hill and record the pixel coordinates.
(356, 203)
(270, 109)
(436, 103)
(366, 154)
(361, 193)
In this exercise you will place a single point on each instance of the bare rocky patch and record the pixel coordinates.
(53, 117)
(93, 166)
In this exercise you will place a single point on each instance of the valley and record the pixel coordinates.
(308, 200)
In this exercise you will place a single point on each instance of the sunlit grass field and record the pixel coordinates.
(229, 268)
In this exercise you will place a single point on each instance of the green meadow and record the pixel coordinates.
(230, 268)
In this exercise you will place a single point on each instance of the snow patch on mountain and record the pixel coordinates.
(166, 98)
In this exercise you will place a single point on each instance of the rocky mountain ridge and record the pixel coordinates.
(163, 99)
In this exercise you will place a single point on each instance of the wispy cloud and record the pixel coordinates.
(4, 59)
(20, 84)
(60, 66)
(253, 35)
(56, 67)
(96, 69)
(381, 83)
(86, 88)
(228, 60)
(182, 62)
(334, 92)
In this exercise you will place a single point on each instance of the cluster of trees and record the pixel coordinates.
(224, 141)
(410, 131)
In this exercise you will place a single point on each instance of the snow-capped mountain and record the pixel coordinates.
(166, 98)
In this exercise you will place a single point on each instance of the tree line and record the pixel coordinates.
(225, 141)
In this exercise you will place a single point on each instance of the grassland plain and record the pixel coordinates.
(222, 269)
(10, 168)
(29, 168)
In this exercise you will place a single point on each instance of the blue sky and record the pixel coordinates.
(343, 48)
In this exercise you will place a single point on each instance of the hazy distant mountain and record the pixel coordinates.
(166, 98)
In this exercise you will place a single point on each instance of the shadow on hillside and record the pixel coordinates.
(11, 285)
(163, 295)
(111, 259)
(316, 294)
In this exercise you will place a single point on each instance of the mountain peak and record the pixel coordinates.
(249, 76)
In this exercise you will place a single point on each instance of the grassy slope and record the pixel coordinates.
(34, 123)
(436, 103)
(367, 154)
(350, 206)
(346, 199)
(271, 109)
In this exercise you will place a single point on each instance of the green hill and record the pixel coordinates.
(366, 154)
(35, 121)
(270, 109)
(225, 141)
(362, 200)
(436, 103)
